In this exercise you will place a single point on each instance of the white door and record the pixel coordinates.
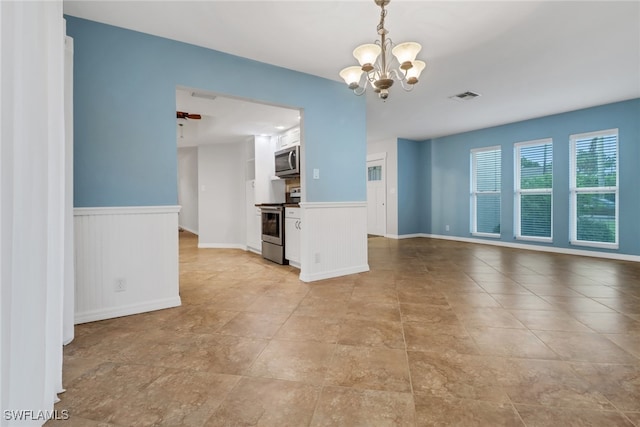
(376, 198)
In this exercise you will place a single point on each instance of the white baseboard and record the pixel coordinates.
(335, 273)
(537, 248)
(188, 229)
(254, 250)
(222, 246)
(109, 313)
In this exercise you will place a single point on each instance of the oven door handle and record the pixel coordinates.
(271, 209)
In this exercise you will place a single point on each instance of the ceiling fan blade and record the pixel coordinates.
(184, 115)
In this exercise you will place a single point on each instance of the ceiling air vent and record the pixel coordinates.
(204, 95)
(465, 96)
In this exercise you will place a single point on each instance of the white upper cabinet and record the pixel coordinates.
(290, 138)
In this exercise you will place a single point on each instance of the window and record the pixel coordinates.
(374, 173)
(534, 184)
(594, 189)
(486, 180)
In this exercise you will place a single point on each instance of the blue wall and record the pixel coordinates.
(414, 183)
(450, 180)
(124, 116)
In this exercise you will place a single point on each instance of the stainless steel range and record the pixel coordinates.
(273, 233)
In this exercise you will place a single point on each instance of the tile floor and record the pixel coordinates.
(438, 333)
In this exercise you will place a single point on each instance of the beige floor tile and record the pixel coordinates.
(380, 295)
(630, 343)
(548, 383)
(369, 368)
(310, 328)
(454, 375)
(254, 325)
(534, 416)
(503, 342)
(444, 412)
(275, 304)
(522, 302)
(302, 361)
(544, 320)
(366, 310)
(266, 402)
(619, 383)
(328, 307)
(363, 408)
(428, 314)
(577, 304)
(609, 323)
(634, 417)
(584, 346)
(438, 337)
(477, 299)
(371, 333)
(478, 317)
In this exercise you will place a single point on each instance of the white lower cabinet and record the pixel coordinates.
(292, 227)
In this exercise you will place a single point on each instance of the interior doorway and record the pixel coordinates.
(376, 194)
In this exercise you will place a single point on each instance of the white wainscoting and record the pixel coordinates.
(333, 239)
(136, 244)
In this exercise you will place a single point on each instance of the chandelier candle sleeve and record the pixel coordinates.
(383, 62)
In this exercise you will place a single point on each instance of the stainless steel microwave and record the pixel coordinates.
(288, 162)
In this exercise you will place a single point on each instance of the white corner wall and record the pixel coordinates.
(188, 188)
(390, 147)
(221, 196)
(333, 239)
(136, 247)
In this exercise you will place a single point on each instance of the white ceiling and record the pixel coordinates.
(227, 120)
(526, 59)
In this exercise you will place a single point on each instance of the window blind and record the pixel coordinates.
(486, 186)
(594, 176)
(534, 183)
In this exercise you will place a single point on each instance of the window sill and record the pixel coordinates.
(595, 244)
(492, 235)
(535, 239)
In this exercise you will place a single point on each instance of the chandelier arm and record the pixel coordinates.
(360, 90)
(397, 75)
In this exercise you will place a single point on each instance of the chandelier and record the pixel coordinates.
(383, 63)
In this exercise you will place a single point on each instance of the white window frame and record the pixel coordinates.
(536, 191)
(474, 192)
(574, 191)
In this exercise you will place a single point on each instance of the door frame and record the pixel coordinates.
(375, 157)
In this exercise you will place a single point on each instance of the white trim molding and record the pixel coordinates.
(126, 261)
(538, 248)
(333, 239)
(126, 210)
(222, 246)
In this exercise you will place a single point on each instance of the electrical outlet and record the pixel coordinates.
(446, 227)
(317, 258)
(120, 285)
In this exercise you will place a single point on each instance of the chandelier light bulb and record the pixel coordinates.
(351, 76)
(413, 73)
(366, 55)
(406, 53)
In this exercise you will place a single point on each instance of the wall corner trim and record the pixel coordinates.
(124, 210)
